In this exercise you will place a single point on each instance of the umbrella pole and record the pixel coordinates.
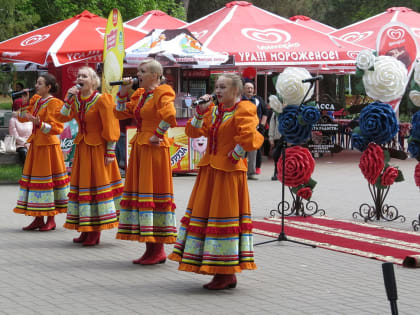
(265, 87)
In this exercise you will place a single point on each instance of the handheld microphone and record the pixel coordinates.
(313, 79)
(201, 101)
(79, 86)
(20, 93)
(122, 82)
(390, 285)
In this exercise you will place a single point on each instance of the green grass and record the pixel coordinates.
(6, 106)
(10, 173)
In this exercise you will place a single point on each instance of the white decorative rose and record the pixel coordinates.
(388, 81)
(275, 104)
(417, 73)
(290, 87)
(414, 97)
(365, 59)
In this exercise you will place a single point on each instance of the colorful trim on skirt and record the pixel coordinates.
(147, 218)
(43, 195)
(95, 208)
(202, 247)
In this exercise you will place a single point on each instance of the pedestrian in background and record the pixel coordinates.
(275, 139)
(255, 157)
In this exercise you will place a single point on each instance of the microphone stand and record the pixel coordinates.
(390, 286)
(282, 236)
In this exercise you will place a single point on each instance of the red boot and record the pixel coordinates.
(83, 236)
(157, 256)
(92, 239)
(50, 225)
(146, 254)
(221, 282)
(36, 223)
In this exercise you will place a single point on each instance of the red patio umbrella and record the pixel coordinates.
(155, 19)
(365, 32)
(73, 40)
(308, 22)
(259, 38)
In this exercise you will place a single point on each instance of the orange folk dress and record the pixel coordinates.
(44, 184)
(95, 189)
(147, 206)
(215, 236)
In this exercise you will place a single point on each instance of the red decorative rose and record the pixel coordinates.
(305, 193)
(372, 162)
(389, 176)
(417, 174)
(299, 166)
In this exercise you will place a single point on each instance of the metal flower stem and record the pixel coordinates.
(282, 235)
(379, 210)
(416, 224)
(299, 207)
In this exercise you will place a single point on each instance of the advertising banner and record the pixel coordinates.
(185, 152)
(113, 55)
(397, 40)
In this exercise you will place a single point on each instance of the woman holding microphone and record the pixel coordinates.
(147, 207)
(215, 237)
(44, 184)
(96, 186)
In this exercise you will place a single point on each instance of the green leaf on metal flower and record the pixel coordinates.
(295, 189)
(375, 53)
(357, 130)
(378, 182)
(274, 79)
(387, 156)
(400, 177)
(414, 85)
(311, 103)
(301, 121)
(371, 68)
(311, 183)
(359, 72)
(413, 139)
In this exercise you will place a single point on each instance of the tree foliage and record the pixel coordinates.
(343, 12)
(17, 17)
(336, 13)
(21, 16)
(53, 11)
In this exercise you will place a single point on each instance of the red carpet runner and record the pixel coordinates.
(362, 239)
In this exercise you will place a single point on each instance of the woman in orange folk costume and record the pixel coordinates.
(96, 185)
(216, 232)
(148, 209)
(44, 184)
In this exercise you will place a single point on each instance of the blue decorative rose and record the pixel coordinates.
(414, 148)
(359, 142)
(289, 126)
(310, 114)
(415, 125)
(378, 123)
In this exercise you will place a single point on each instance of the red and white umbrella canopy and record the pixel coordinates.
(260, 38)
(76, 39)
(365, 32)
(308, 22)
(155, 19)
